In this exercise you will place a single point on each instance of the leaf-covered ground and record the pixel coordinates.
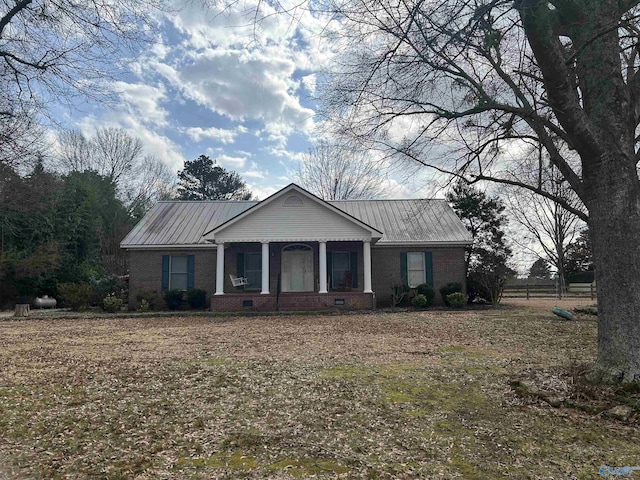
(437, 394)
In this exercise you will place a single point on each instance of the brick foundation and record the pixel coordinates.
(292, 301)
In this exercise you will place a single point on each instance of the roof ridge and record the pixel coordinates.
(208, 201)
(388, 200)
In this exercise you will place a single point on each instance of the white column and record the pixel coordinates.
(323, 267)
(366, 253)
(265, 268)
(220, 270)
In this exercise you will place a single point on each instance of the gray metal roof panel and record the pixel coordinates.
(401, 221)
(409, 221)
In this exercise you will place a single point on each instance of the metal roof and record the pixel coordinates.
(409, 221)
(183, 223)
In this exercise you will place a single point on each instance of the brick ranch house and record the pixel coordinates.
(294, 251)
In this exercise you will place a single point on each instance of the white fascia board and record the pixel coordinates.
(423, 244)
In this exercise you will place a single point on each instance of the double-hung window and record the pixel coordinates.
(177, 272)
(253, 270)
(341, 275)
(415, 268)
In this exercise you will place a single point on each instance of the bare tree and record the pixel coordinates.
(22, 141)
(339, 172)
(480, 78)
(547, 224)
(75, 152)
(54, 53)
(57, 51)
(116, 152)
(151, 180)
(140, 180)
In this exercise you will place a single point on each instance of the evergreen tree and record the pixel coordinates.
(539, 269)
(579, 257)
(202, 179)
(487, 257)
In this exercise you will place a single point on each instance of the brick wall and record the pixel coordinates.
(146, 268)
(145, 271)
(292, 301)
(448, 266)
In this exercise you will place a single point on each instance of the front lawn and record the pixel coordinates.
(438, 394)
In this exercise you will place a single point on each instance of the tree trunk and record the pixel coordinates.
(614, 227)
(22, 310)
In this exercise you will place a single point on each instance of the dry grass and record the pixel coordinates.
(394, 395)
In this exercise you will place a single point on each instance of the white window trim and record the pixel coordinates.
(424, 269)
(171, 272)
(293, 201)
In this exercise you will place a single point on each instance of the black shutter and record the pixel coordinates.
(354, 270)
(165, 272)
(190, 271)
(428, 267)
(404, 272)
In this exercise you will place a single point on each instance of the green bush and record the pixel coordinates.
(400, 295)
(196, 298)
(111, 303)
(448, 289)
(456, 299)
(420, 301)
(144, 306)
(149, 297)
(428, 292)
(75, 295)
(174, 299)
(108, 285)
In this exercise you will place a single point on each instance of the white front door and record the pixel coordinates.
(297, 270)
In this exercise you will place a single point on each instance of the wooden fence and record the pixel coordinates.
(529, 291)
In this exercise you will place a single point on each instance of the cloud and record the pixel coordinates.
(219, 134)
(229, 162)
(143, 100)
(261, 192)
(244, 84)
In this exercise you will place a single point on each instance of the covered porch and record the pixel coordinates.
(300, 275)
(292, 251)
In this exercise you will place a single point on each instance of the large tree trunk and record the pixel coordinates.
(596, 108)
(614, 227)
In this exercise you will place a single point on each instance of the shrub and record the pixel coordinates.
(108, 285)
(448, 289)
(144, 305)
(149, 297)
(428, 292)
(174, 299)
(196, 298)
(75, 295)
(420, 301)
(456, 299)
(400, 295)
(111, 303)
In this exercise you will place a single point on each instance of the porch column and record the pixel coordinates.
(265, 268)
(323, 267)
(220, 270)
(366, 253)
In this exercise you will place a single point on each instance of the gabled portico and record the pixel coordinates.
(305, 246)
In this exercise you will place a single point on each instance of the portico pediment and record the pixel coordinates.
(292, 214)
